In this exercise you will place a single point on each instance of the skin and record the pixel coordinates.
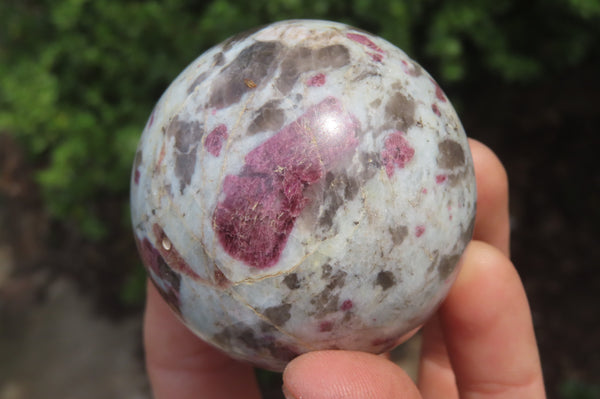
(479, 345)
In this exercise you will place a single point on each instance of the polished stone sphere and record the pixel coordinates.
(300, 187)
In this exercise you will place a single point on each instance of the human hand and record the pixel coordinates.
(480, 344)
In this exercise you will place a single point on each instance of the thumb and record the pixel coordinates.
(344, 374)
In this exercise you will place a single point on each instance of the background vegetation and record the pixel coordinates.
(78, 79)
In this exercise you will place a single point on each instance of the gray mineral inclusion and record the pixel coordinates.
(306, 186)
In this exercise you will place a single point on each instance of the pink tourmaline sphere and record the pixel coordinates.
(301, 187)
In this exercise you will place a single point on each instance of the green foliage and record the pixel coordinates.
(133, 288)
(78, 78)
(573, 389)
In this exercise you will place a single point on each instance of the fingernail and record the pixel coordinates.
(287, 393)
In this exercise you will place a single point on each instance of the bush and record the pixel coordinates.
(78, 78)
(574, 389)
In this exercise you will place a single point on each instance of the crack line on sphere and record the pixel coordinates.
(309, 254)
(202, 154)
(204, 212)
(226, 156)
(263, 318)
(199, 240)
(315, 250)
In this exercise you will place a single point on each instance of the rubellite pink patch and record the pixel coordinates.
(305, 186)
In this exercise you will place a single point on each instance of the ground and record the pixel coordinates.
(67, 332)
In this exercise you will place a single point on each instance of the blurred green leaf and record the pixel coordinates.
(133, 290)
(574, 389)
